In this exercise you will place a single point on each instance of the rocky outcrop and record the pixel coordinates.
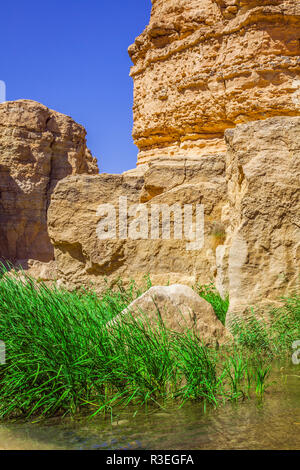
(251, 219)
(260, 259)
(84, 259)
(203, 66)
(38, 148)
(178, 308)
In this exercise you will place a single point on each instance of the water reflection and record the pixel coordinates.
(272, 424)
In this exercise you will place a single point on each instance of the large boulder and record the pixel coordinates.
(84, 259)
(179, 308)
(38, 148)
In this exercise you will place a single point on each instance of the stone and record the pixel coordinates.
(83, 259)
(203, 66)
(179, 308)
(251, 219)
(217, 124)
(38, 147)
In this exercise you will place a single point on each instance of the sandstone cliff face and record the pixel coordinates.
(252, 228)
(38, 147)
(202, 66)
(83, 259)
(260, 259)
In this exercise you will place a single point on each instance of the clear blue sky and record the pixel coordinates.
(71, 55)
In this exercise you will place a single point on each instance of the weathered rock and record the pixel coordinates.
(261, 257)
(36, 272)
(38, 147)
(202, 66)
(251, 233)
(84, 259)
(163, 175)
(179, 308)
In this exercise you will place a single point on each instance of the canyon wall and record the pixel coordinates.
(38, 147)
(203, 66)
(217, 124)
(251, 205)
(84, 259)
(260, 258)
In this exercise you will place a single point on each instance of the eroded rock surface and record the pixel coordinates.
(203, 66)
(260, 260)
(82, 258)
(38, 147)
(179, 308)
(251, 214)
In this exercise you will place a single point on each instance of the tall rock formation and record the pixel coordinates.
(38, 147)
(202, 66)
(260, 260)
(84, 259)
(202, 69)
(251, 211)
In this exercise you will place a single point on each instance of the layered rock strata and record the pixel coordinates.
(203, 66)
(251, 215)
(38, 147)
(84, 259)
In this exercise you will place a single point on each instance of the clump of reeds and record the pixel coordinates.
(62, 358)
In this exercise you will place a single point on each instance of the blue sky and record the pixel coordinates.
(71, 55)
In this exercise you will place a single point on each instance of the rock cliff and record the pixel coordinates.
(261, 254)
(84, 259)
(203, 66)
(217, 124)
(38, 147)
(251, 205)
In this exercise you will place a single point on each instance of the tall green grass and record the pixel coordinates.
(272, 334)
(63, 358)
(210, 294)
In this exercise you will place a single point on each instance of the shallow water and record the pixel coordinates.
(273, 423)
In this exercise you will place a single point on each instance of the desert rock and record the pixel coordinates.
(251, 219)
(38, 147)
(203, 66)
(179, 308)
(203, 69)
(260, 259)
(83, 258)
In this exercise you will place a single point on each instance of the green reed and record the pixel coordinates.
(63, 358)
